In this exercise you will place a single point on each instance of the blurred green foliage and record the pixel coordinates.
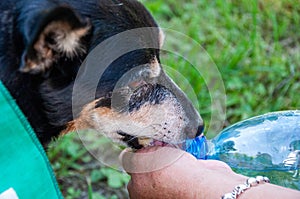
(254, 44)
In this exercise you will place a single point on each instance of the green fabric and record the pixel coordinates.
(24, 165)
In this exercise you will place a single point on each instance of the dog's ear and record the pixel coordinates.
(59, 33)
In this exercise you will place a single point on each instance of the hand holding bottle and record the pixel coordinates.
(188, 177)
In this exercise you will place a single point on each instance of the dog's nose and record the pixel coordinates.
(200, 130)
(191, 133)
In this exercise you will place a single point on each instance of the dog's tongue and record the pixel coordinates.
(159, 143)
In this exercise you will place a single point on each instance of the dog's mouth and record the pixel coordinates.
(142, 142)
(131, 141)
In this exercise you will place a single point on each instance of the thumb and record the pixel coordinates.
(149, 159)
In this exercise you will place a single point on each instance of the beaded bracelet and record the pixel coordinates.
(250, 182)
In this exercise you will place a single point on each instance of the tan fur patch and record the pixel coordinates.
(159, 121)
(65, 41)
(161, 38)
(155, 68)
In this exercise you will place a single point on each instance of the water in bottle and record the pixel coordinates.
(267, 145)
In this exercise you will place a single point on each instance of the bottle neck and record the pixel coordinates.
(211, 150)
(200, 147)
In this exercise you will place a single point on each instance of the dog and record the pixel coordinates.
(43, 46)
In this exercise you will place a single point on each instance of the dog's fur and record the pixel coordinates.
(42, 46)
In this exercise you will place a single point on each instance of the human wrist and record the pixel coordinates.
(263, 189)
(270, 191)
(242, 187)
(217, 183)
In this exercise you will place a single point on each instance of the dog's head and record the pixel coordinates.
(136, 102)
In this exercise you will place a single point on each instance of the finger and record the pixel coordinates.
(149, 159)
(214, 165)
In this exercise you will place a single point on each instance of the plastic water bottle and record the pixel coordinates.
(267, 145)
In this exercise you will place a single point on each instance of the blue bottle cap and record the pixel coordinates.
(197, 147)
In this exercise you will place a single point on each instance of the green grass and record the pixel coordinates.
(255, 46)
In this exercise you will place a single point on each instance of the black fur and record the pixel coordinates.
(39, 69)
(130, 140)
(45, 98)
(152, 94)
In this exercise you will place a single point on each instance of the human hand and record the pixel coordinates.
(164, 172)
